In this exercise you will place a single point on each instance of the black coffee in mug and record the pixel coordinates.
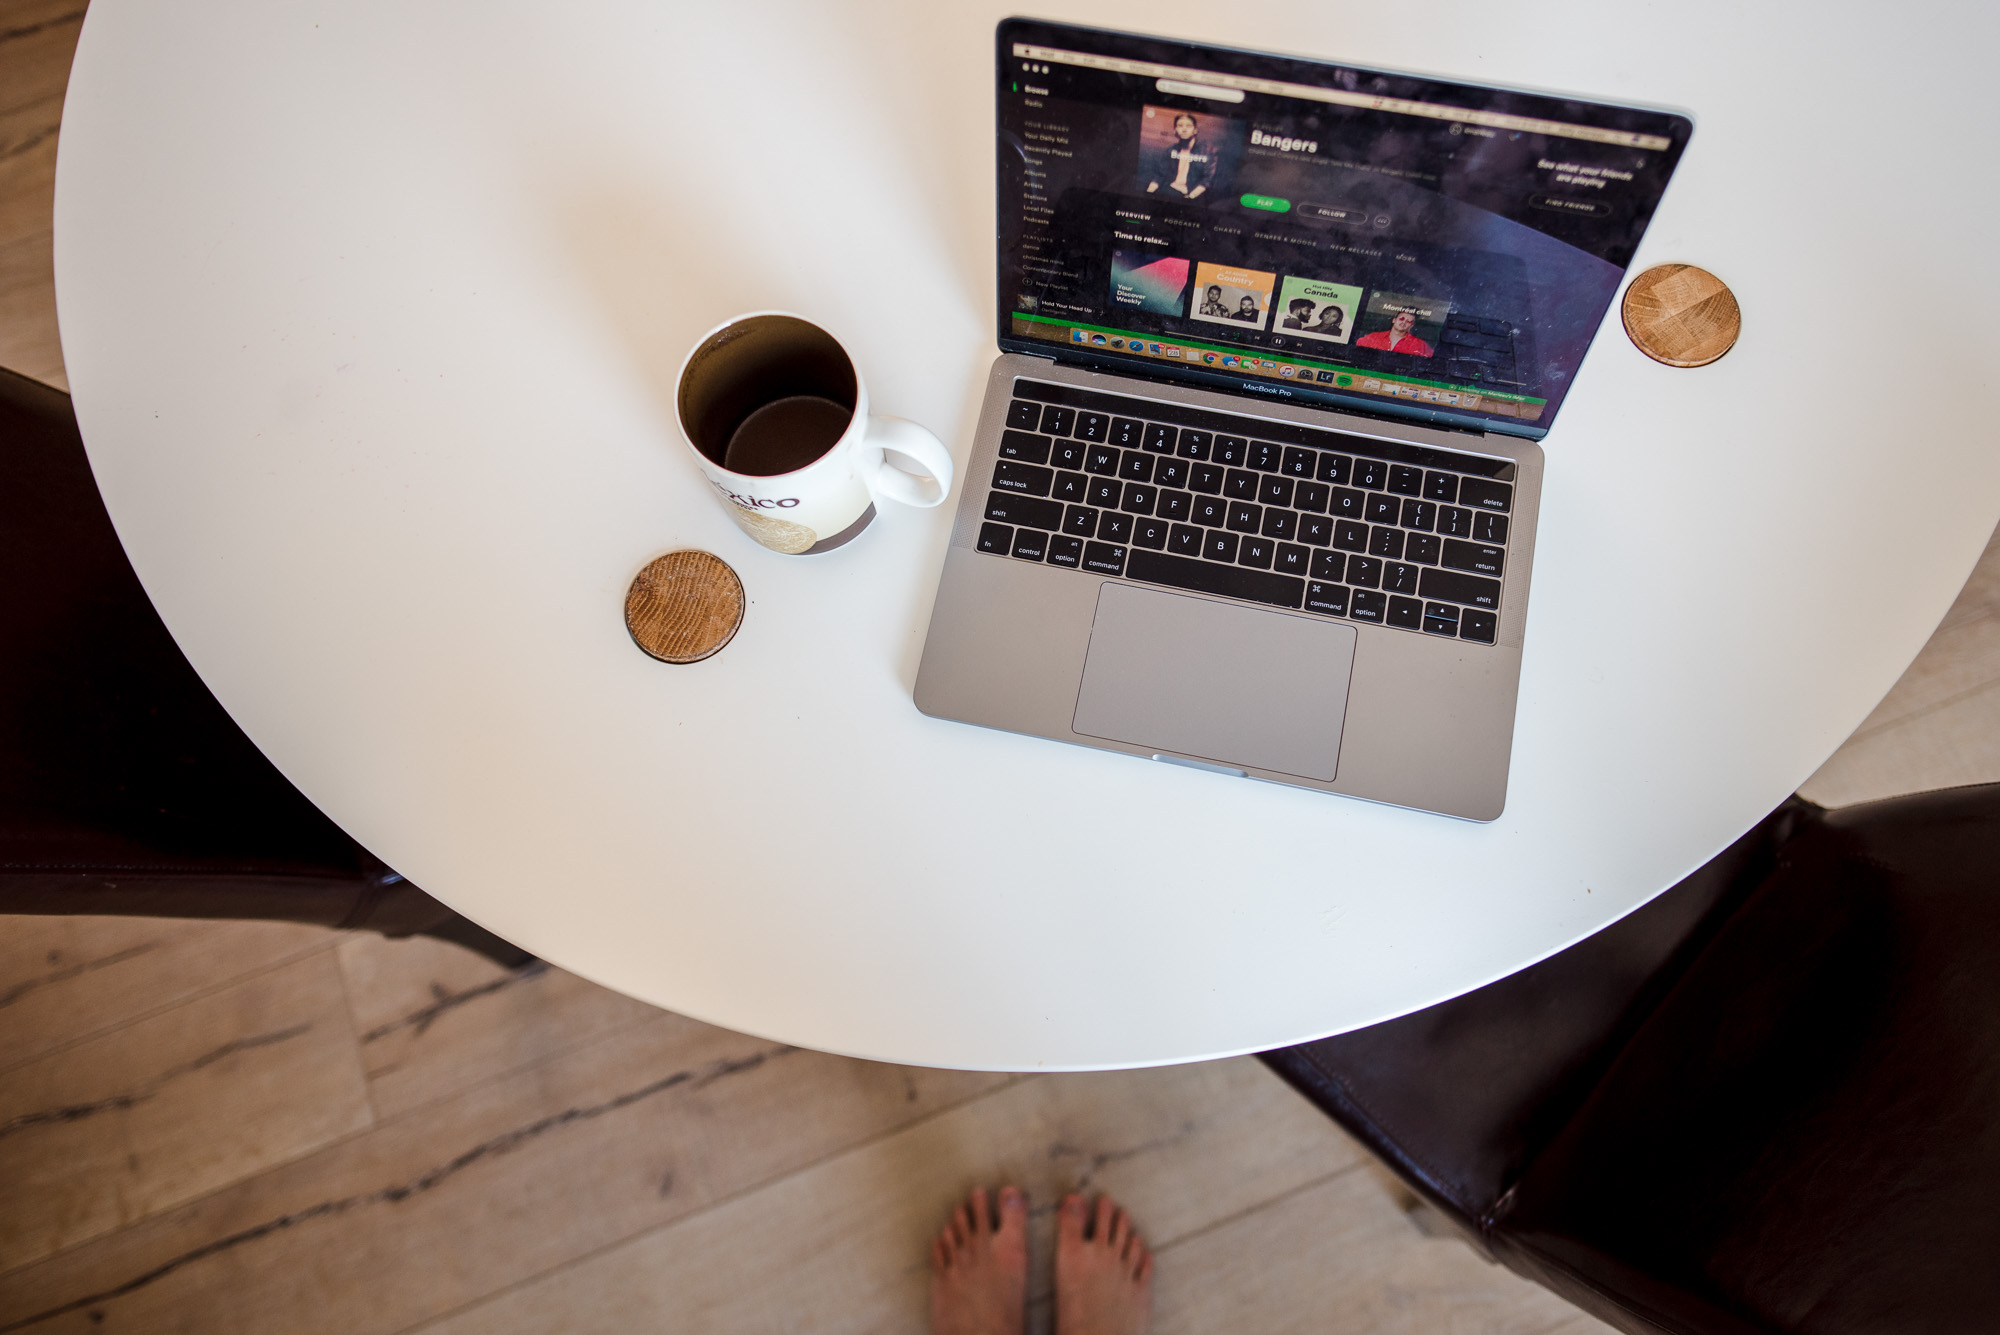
(768, 396)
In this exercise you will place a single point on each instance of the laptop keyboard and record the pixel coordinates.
(1100, 484)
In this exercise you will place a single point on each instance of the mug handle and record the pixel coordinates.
(889, 482)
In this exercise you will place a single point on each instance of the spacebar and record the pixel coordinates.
(1258, 586)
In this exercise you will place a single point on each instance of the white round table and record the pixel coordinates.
(371, 312)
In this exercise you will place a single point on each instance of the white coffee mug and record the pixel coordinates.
(776, 416)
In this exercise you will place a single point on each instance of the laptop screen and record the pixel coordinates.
(1314, 232)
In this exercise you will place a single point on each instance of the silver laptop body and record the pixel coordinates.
(1252, 579)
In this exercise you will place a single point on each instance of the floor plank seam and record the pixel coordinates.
(1961, 697)
(718, 1203)
(234, 980)
(1265, 1204)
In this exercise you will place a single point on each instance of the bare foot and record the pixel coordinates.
(1104, 1274)
(979, 1267)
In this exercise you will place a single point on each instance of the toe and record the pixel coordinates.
(1070, 1218)
(982, 1218)
(1013, 1210)
(1101, 1231)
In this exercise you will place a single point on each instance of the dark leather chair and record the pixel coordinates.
(124, 786)
(1767, 1101)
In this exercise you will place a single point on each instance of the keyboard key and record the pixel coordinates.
(1030, 544)
(1159, 438)
(1149, 533)
(1489, 527)
(1024, 478)
(1383, 510)
(1312, 496)
(1104, 557)
(1210, 511)
(1139, 498)
(1455, 523)
(1219, 546)
(1296, 463)
(1172, 472)
(1347, 504)
(1100, 459)
(1335, 468)
(1350, 536)
(996, 538)
(1231, 450)
(1315, 529)
(1135, 467)
(1206, 478)
(1365, 571)
(1175, 505)
(1371, 473)
(1440, 487)
(1421, 548)
(1104, 491)
(1069, 454)
(1292, 559)
(1328, 565)
(1264, 456)
(1080, 520)
(1024, 448)
(1092, 426)
(1484, 494)
(1023, 415)
(1057, 420)
(1279, 523)
(1328, 599)
(1228, 581)
(1065, 552)
(1184, 540)
(1245, 517)
(1472, 556)
(1275, 491)
(1476, 626)
(1074, 487)
(1400, 577)
(1126, 433)
(1113, 526)
(1008, 508)
(1405, 480)
(1386, 542)
(1256, 553)
(1194, 444)
(1406, 613)
(1240, 485)
(1420, 515)
(1369, 606)
(1451, 587)
(1441, 619)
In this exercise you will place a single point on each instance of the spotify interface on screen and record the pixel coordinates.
(1365, 236)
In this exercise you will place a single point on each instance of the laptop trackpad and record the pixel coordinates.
(1232, 684)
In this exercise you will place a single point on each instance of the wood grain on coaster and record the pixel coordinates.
(684, 606)
(1681, 315)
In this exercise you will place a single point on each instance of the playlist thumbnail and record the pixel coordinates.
(1318, 310)
(1223, 295)
(1398, 322)
(1141, 281)
(1187, 155)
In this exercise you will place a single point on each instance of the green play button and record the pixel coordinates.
(1269, 203)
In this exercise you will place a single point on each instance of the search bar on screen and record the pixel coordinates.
(1208, 91)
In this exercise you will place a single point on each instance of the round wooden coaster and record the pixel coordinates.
(1681, 315)
(684, 606)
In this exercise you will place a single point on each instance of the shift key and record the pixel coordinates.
(1474, 556)
(1024, 478)
(1007, 509)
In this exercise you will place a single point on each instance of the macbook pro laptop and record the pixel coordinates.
(1255, 485)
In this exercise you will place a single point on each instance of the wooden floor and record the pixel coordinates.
(249, 1127)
